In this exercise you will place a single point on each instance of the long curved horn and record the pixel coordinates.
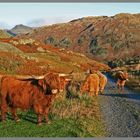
(71, 72)
(38, 77)
(63, 74)
(23, 77)
(68, 79)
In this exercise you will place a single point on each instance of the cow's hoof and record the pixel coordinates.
(18, 120)
(48, 122)
(39, 124)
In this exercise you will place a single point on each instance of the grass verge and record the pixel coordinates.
(75, 117)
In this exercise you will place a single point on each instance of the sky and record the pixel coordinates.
(39, 14)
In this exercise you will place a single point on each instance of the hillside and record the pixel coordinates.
(104, 38)
(28, 56)
(4, 34)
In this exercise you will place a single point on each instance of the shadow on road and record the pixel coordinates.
(131, 95)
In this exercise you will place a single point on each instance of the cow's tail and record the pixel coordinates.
(1, 85)
(0, 89)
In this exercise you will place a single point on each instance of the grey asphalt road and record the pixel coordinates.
(120, 111)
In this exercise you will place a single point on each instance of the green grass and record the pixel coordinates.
(59, 128)
(75, 117)
(9, 48)
(54, 61)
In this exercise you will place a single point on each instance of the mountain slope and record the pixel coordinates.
(105, 38)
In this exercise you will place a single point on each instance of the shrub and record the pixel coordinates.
(80, 40)
(49, 40)
(93, 43)
(65, 42)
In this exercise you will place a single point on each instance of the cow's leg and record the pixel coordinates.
(39, 121)
(101, 91)
(123, 83)
(91, 93)
(14, 114)
(96, 92)
(118, 84)
(119, 87)
(122, 88)
(38, 110)
(4, 109)
(46, 115)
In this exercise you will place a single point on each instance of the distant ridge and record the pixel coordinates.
(20, 29)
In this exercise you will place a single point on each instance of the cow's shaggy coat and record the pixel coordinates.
(24, 94)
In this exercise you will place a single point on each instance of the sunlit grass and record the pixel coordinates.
(74, 117)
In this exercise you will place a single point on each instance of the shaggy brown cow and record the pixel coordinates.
(122, 77)
(102, 82)
(27, 93)
(73, 89)
(91, 84)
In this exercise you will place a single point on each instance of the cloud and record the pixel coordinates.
(4, 25)
(47, 21)
(36, 22)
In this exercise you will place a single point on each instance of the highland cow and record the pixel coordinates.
(91, 85)
(37, 93)
(122, 77)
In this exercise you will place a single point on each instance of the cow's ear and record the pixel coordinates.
(41, 82)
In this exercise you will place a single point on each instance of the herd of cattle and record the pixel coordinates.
(39, 92)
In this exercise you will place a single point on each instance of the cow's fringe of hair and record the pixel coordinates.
(52, 79)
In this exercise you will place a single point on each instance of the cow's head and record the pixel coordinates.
(52, 83)
(49, 83)
(123, 75)
(126, 75)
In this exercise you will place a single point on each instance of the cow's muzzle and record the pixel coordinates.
(54, 91)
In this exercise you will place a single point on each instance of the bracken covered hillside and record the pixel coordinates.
(105, 38)
(28, 57)
(4, 34)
